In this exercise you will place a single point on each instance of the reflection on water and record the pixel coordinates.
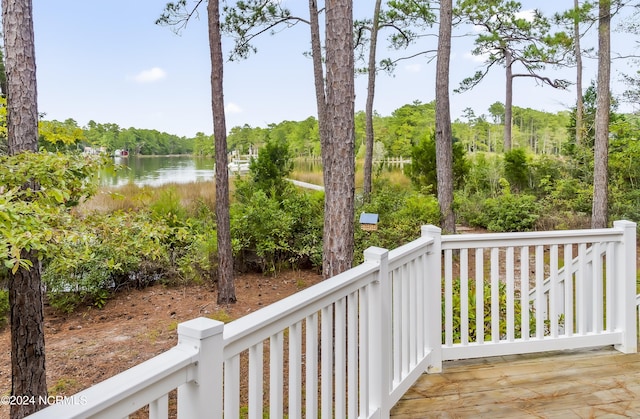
(156, 171)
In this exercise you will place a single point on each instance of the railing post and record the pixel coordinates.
(380, 348)
(433, 298)
(626, 287)
(202, 396)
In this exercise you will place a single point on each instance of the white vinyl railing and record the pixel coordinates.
(536, 294)
(352, 345)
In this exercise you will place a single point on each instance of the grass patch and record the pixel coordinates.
(222, 316)
(133, 198)
(63, 386)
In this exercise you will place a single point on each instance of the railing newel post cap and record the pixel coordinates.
(624, 224)
(200, 328)
(375, 253)
(430, 229)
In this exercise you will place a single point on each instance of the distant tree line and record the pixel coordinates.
(69, 136)
(538, 131)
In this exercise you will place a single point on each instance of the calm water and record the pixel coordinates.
(156, 171)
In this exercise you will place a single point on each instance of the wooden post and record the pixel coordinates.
(202, 397)
(626, 287)
(432, 299)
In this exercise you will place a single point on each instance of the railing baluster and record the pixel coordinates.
(582, 291)
(421, 276)
(396, 283)
(363, 354)
(510, 287)
(352, 349)
(448, 297)
(524, 293)
(464, 296)
(541, 304)
(413, 314)
(479, 295)
(295, 370)
(159, 408)
(326, 362)
(276, 370)
(569, 300)
(495, 294)
(232, 387)
(311, 366)
(554, 298)
(340, 372)
(598, 289)
(610, 281)
(406, 315)
(256, 377)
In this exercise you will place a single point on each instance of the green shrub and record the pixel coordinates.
(109, 252)
(269, 233)
(484, 175)
(516, 168)
(511, 212)
(401, 214)
(270, 169)
(470, 209)
(168, 206)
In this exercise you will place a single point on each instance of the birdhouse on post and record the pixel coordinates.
(368, 221)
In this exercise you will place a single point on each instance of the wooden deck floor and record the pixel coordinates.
(595, 383)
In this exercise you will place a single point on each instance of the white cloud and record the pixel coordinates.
(527, 15)
(233, 108)
(150, 76)
(476, 58)
(413, 68)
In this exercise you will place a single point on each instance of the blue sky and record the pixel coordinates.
(107, 61)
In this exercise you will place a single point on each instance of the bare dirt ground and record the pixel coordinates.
(92, 344)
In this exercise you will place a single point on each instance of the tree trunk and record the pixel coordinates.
(339, 169)
(578, 53)
(508, 100)
(226, 286)
(599, 216)
(318, 77)
(25, 290)
(444, 142)
(371, 85)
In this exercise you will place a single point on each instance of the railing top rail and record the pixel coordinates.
(107, 398)
(265, 322)
(532, 238)
(407, 251)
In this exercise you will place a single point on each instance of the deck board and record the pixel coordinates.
(587, 383)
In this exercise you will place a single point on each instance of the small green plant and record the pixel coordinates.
(221, 316)
(64, 385)
(153, 335)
